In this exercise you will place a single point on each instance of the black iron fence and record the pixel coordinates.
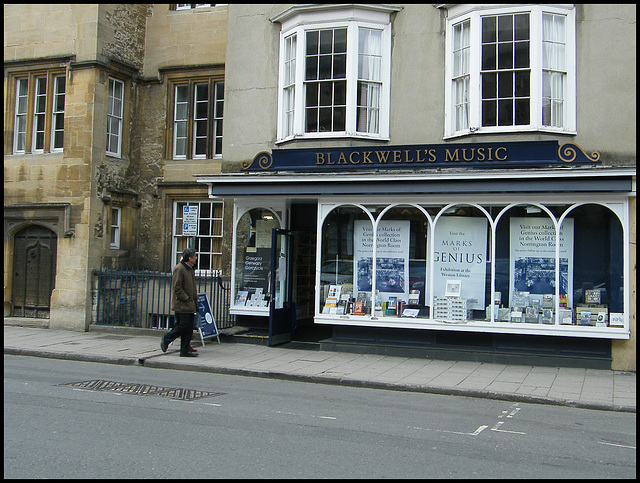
(142, 298)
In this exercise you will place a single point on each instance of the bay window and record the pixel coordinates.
(334, 74)
(510, 69)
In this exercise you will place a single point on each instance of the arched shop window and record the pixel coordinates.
(340, 271)
(526, 268)
(461, 263)
(401, 258)
(525, 264)
(598, 259)
(253, 258)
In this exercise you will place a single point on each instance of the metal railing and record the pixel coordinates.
(142, 298)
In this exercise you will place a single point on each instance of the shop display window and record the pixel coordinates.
(521, 265)
(253, 259)
(338, 263)
(526, 264)
(461, 263)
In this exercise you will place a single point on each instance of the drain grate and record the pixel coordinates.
(142, 389)
(114, 337)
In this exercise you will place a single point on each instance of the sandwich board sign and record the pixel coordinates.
(207, 327)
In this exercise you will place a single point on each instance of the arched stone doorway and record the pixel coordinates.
(34, 271)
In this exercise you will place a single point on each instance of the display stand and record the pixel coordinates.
(207, 327)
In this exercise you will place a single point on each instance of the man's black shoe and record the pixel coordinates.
(189, 354)
(163, 344)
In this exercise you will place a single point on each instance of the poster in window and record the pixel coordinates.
(460, 253)
(263, 233)
(257, 267)
(392, 254)
(533, 257)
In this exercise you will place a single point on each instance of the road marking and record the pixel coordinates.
(305, 415)
(508, 413)
(475, 433)
(500, 423)
(618, 445)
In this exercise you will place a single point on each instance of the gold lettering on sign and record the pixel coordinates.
(383, 156)
(408, 156)
(505, 155)
(449, 157)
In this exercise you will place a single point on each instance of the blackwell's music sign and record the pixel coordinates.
(485, 155)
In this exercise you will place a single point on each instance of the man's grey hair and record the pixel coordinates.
(188, 253)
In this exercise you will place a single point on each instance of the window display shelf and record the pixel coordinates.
(475, 326)
(246, 310)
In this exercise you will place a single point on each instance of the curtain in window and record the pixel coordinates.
(554, 69)
(369, 80)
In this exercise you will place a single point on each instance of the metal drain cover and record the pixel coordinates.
(142, 389)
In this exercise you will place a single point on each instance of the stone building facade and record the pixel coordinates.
(109, 64)
(113, 126)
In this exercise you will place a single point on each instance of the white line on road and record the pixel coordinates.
(500, 423)
(475, 433)
(305, 415)
(618, 445)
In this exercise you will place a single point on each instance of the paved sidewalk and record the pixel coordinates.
(586, 388)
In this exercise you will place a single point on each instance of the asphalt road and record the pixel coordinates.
(245, 427)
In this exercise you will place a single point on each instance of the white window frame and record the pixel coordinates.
(20, 121)
(297, 21)
(116, 222)
(190, 6)
(214, 118)
(180, 107)
(197, 121)
(115, 110)
(37, 112)
(474, 14)
(177, 239)
(56, 111)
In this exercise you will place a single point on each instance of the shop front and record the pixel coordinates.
(481, 252)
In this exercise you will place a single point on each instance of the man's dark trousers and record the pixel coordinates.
(182, 328)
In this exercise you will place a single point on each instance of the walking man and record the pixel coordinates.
(184, 303)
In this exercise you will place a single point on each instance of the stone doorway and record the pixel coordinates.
(34, 271)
